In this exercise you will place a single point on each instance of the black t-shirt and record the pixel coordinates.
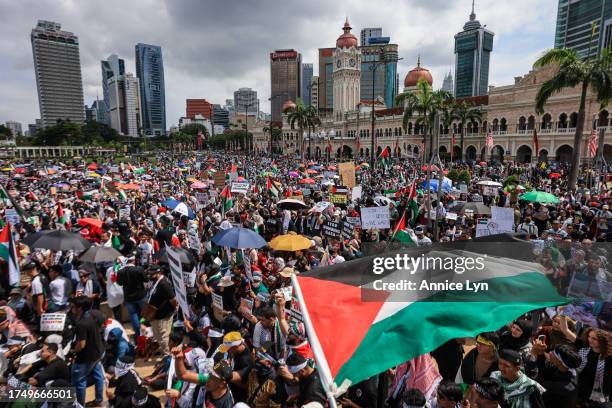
(163, 238)
(365, 393)
(161, 299)
(311, 390)
(226, 401)
(87, 329)
(243, 364)
(132, 279)
(55, 370)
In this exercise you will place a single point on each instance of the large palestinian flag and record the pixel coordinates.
(358, 332)
(8, 252)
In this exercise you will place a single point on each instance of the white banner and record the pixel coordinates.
(240, 188)
(375, 217)
(52, 322)
(176, 271)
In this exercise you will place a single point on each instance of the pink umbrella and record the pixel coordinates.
(293, 174)
(307, 181)
(199, 185)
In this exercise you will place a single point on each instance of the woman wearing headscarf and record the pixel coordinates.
(517, 337)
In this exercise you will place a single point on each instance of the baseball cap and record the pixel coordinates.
(222, 370)
(231, 339)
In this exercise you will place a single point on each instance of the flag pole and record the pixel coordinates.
(322, 366)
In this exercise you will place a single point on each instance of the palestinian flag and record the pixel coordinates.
(4, 196)
(413, 206)
(60, 214)
(384, 155)
(403, 234)
(357, 332)
(228, 203)
(8, 252)
(270, 186)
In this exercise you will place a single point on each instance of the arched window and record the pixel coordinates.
(409, 128)
(469, 127)
(531, 123)
(522, 124)
(573, 119)
(503, 126)
(546, 122)
(562, 121)
(495, 125)
(602, 119)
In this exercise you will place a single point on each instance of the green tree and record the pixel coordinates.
(464, 112)
(63, 133)
(194, 128)
(304, 117)
(465, 176)
(453, 175)
(5, 132)
(593, 72)
(96, 133)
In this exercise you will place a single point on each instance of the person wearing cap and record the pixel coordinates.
(520, 391)
(557, 373)
(88, 287)
(50, 367)
(236, 352)
(19, 305)
(298, 370)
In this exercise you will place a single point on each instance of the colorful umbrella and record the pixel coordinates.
(311, 171)
(199, 185)
(540, 197)
(307, 181)
(238, 238)
(293, 174)
(432, 168)
(554, 175)
(290, 242)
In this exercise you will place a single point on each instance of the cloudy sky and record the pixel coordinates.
(213, 47)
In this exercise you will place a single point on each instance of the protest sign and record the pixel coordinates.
(246, 259)
(124, 213)
(489, 191)
(355, 221)
(202, 198)
(30, 358)
(219, 179)
(193, 236)
(477, 198)
(451, 216)
(176, 271)
(217, 301)
(52, 322)
(286, 219)
(463, 188)
(171, 371)
(347, 174)
(11, 216)
(240, 188)
(375, 217)
(482, 227)
(233, 176)
(287, 291)
(320, 206)
(347, 230)
(295, 311)
(264, 297)
(502, 220)
(189, 278)
(338, 199)
(356, 193)
(331, 229)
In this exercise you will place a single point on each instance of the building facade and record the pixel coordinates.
(125, 113)
(574, 28)
(15, 127)
(314, 91)
(307, 72)
(150, 73)
(367, 33)
(473, 48)
(220, 116)
(195, 107)
(57, 65)
(347, 73)
(245, 100)
(447, 84)
(286, 77)
(113, 66)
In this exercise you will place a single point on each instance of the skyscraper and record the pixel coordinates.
(220, 116)
(367, 33)
(285, 67)
(574, 28)
(473, 48)
(314, 91)
(124, 109)
(113, 66)
(447, 84)
(150, 73)
(306, 78)
(245, 101)
(57, 65)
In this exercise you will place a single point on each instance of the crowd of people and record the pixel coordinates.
(238, 344)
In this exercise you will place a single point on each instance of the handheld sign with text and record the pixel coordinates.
(331, 229)
(375, 217)
(217, 301)
(52, 322)
(240, 188)
(347, 174)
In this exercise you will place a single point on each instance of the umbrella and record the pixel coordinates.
(433, 167)
(290, 242)
(447, 185)
(291, 204)
(364, 164)
(184, 255)
(476, 208)
(99, 254)
(554, 175)
(311, 171)
(489, 183)
(332, 168)
(128, 186)
(199, 185)
(57, 240)
(183, 209)
(307, 181)
(483, 163)
(238, 238)
(90, 222)
(293, 174)
(171, 204)
(540, 197)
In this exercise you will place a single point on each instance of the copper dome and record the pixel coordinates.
(417, 73)
(288, 104)
(346, 40)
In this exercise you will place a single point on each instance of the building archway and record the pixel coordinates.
(546, 122)
(573, 119)
(318, 152)
(562, 121)
(523, 154)
(367, 152)
(483, 153)
(531, 123)
(543, 156)
(398, 151)
(344, 151)
(564, 153)
(497, 153)
(470, 153)
(442, 149)
(456, 152)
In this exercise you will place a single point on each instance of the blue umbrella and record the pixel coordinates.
(171, 204)
(238, 238)
(447, 185)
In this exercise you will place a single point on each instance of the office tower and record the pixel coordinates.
(57, 66)
(306, 78)
(220, 116)
(124, 109)
(113, 66)
(198, 107)
(367, 33)
(286, 81)
(447, 84)
(150, 73)
(574, 29)
(314, 91)
(245, 101)
(473, 48)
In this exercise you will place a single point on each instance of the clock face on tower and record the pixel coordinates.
(352, 62)
(339, 63)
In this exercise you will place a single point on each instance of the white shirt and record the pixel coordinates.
(58, 288)
(37, 287)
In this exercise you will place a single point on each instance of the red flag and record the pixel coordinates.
(593, 143)
(358, 146)
(226, 192)
(234, 168)
(200, 138)
(268, 184)
(536, 143)
(385, 153)
(401, 224)
(412, 191)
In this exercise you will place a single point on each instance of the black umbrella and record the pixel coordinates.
(291, 204)
(57, 240)
(476, 208)
(184, 255)
(99, 254)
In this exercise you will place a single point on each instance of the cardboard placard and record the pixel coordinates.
(240, 188)
(356, 193)
(347, 174)
(219, 179)
(375, 217)
(332, 229)
(295, 311)
(355, 221)
(347, 230)
(339, 199)
(287, 292)
(11, 216)
(52, 322)
(176, 272)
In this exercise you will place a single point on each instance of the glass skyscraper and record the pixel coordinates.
(574, 28)
(473, 48)
(113, 66)
(306, 78)
(150, 73)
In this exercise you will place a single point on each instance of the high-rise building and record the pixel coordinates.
(347, 72)
(101, 110)
(150, 73)
(306, 78)
(57, 65)
(124, 110)
(245, 100)
(367, 33)
(220, 116)
(447, 84)
(198, 107)
(113, 66)
(473, 48)
(90, 113)
(574, 30)
(15, 127)
(314, 91)
(285, 67)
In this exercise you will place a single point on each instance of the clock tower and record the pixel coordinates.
(347, 73)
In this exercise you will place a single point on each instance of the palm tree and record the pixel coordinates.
(593, 72)
(424, 103)
(464, 112)
(304, 117)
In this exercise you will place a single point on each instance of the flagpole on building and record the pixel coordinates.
(322, 366)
